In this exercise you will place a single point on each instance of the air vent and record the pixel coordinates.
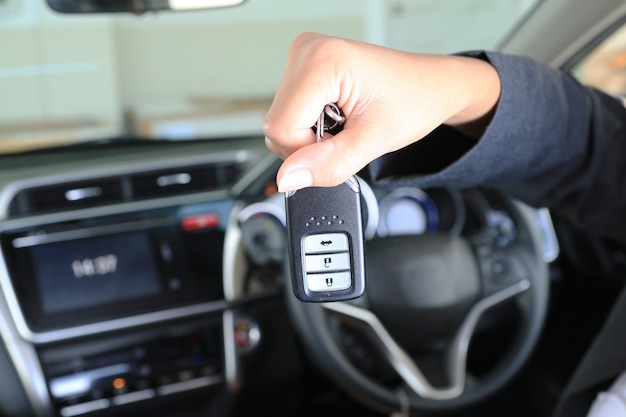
(174, 181)
(68, 196)
(141, 185)
(190, 179)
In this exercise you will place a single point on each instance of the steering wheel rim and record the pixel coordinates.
(416, 394)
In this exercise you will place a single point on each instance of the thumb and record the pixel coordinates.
(323, 164)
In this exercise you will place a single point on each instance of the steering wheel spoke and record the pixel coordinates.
(397, 357)
(403, 363)
(459, 348)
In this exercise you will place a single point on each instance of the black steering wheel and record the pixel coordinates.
(428, 298)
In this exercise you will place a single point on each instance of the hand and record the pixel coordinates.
(390, 99)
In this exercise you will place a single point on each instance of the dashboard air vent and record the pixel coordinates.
(183, 180)
(174, 181)
(125, 187)
(68, 196)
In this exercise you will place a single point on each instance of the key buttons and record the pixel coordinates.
(327, 262)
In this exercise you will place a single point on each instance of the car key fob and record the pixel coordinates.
(325, 232)
(326, 249)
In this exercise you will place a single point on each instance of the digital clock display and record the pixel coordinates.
(95, 271)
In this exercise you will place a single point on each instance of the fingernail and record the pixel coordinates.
(295, 180)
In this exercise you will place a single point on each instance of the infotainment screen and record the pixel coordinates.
(90, 272)
(123, 266)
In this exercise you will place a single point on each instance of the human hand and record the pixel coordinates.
(389, 98)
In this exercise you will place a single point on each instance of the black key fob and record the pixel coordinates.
(326, 243)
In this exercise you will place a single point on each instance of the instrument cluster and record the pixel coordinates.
(413, 211)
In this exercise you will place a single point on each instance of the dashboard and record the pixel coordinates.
(126, 275)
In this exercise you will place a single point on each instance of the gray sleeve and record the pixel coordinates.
(552, 142)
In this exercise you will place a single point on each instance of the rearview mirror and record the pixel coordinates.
(135, 6)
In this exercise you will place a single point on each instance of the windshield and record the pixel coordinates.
(195, 74)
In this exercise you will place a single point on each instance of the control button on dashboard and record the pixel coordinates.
(200, 222)
(247, 334)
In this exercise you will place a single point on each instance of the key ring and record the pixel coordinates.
(338, 119)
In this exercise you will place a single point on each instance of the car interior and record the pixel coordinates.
(144, 264)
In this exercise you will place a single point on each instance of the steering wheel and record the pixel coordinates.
(427, 298)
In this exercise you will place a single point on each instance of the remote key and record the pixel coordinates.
(326, 249)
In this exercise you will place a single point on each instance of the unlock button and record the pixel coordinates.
(327, 262)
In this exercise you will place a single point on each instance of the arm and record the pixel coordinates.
(551, 142)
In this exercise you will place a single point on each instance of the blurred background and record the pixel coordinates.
(195, 74)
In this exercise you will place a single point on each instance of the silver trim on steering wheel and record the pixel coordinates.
(402, 362)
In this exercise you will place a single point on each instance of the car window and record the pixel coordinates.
(195, 74)
(605, 66)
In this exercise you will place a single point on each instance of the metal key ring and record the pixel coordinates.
(335, 114)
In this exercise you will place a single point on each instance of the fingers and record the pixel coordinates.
(329, 162)
(317, 73)
(302, 94)
(318, 164)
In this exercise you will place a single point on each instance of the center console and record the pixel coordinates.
(104, 373)
(119, 307)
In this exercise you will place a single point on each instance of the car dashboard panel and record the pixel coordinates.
(112, 272)
(130, 274)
